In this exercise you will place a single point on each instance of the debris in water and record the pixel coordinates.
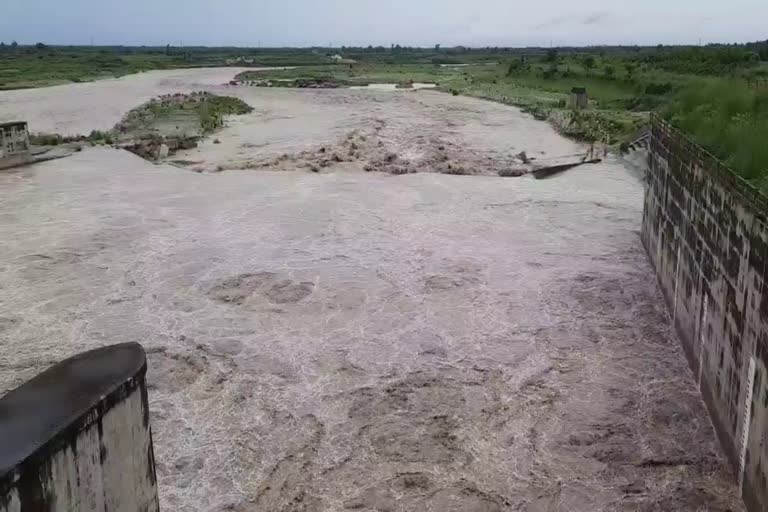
(546, 172)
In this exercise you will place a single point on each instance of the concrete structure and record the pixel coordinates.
(14, 144)
(76, 438)
(579, 98)
(706, 233)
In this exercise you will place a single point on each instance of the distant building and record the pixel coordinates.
(14, 144)
(337, 57)
(579, 98)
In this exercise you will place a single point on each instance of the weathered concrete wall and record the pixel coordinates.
(76, 438)
(706, 234)
(14, 145)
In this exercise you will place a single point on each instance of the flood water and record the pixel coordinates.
(350, 340)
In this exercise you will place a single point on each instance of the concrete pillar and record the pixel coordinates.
(77, 438)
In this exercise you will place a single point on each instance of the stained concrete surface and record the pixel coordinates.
(713, 276)
(361, 341)
(77, 438)
(60, 396)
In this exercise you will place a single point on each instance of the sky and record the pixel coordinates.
(384, 22)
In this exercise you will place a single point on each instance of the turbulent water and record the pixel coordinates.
(358, 341)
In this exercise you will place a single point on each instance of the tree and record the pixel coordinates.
(551, 72)
(437, 47)
(630, 67)
(40, 46)
(14, 44)
(551, 55)
(610, 71)
(589, 62)
(517, 66)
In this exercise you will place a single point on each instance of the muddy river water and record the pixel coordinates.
(350, 340)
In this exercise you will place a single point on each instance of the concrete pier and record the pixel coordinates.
(76, 438)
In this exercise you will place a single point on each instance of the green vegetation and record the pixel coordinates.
(54, 139)
(716, 92)
(45, 139)
(180, 115)
(41, 65)
(536, 88)
(731, 120)
(358, 74)
(99, 137)
(213, 108)
(24, 67)
(169, 123)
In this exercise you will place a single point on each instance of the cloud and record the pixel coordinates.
(595, 17)
(574, 19)
(553, 22)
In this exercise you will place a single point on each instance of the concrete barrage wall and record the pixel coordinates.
(14, 145)
(706, 234)
(76, 438)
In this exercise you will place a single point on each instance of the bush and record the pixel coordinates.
(589, 62)
(98, 136)
(45, 139)
(519, 66)
(658, 88)
(645, 103)
(730, 120)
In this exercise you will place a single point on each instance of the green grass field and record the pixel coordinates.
(30, 66)
(730, 120)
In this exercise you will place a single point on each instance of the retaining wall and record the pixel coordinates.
(14, 145)
(76, 438)
(706, 234)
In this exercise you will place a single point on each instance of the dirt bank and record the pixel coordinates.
(356, 341)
